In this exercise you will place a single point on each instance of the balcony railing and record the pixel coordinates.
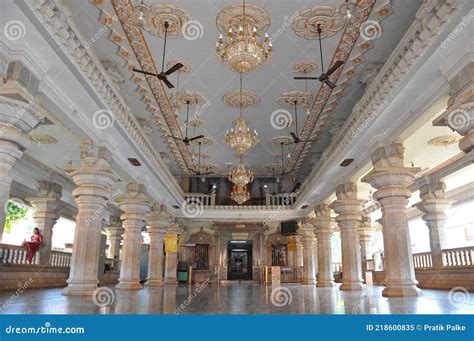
(422, 260)
(209, 200)
(16, 255)
(458, 258)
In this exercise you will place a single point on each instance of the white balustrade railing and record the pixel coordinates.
(336, 267)
(458, 258)
(281, 199)
(201, 198)
(16, 255)
(422, 260)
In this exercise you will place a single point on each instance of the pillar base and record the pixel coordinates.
(128, 286)
(402, 291)
(154, 283)
(79, 290)
(171, 281)
(325, 284)
(309, 281)
(352, 286)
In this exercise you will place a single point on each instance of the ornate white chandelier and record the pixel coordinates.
(242, 47)
(240, 195)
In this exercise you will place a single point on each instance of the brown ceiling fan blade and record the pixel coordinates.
(167, 82)
(174, 68)
(175, 137)
(146, 73)
(305, 77)
(334, 67)
(295, 138)
(330, 83)
(196, 137)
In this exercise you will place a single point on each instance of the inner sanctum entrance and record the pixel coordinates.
(239, 255)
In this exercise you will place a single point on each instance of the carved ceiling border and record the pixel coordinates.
(134, 35)
(316, 122)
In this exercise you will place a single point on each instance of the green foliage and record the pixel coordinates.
(15, 212)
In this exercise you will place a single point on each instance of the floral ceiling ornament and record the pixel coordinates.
(305, 67)
(236, 99)
(152, 19)
(288, 99)
(42, 139)
(328, 17)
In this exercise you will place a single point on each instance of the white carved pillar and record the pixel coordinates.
(171, 258)
(308, 238)
(135, 206)
(391, 179)
(158, 222)
(45, 216)
(323, 230)
(114, 237)
(348, 207)
(434, 206)
(17, 118)
(459, 115)
(95, 180)
(366, 233)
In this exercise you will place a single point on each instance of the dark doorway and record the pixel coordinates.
(239, 255)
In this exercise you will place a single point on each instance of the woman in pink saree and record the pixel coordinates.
(33, 245)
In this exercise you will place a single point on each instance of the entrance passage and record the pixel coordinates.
(240, 260)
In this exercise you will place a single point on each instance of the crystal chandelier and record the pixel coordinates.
(242, 48)
(240, 195)
(240, 176)
(240, 138)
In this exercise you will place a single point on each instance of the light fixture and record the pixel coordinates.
(240, 195)
(240, 138)
(140, 14)
(240, 176)
(242, 48)
(348, 10)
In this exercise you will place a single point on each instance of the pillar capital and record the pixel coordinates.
(459, 114)
(158, 216)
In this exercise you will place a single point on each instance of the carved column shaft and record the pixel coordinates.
(323, 230)
(158, 222)
(310, 266)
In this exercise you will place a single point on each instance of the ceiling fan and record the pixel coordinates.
(294, 135)
(198, 171)
(282, 158)
(186, 139)
(163, 75)
(324, 77)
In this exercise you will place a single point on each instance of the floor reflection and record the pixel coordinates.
(232, 299)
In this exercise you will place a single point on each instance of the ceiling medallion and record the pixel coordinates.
(240, 138)
(278, 140)
(152, 18)
(289, 98)
(328, 17)
(244, 99)
(183, 96)
(444, 140)
(272, 167)
(42, 139)
(239, 175)
(195, 122)
(240, 194)
(184, 69)
(305, 67)
(205, 141)
(209, 167)
(242, 48)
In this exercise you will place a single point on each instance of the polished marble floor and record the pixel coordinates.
(232, 299)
